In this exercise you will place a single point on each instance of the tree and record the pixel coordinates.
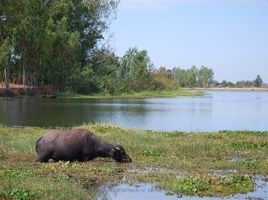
(181, 77)
(10, 18)
(106, 66)
(192, 77)
(225, 83)
(164, 79)
(5, 52)
(48, 42)
(28, 39)
(258, 81)
(205, 77)
(136, 70)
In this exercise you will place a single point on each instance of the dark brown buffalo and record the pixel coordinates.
(76, 145)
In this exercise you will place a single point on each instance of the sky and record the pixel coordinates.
(229, 36)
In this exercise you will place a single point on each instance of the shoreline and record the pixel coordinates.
(19, 92)
(235, 89)
(138, 95)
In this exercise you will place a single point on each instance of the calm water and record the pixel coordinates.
(149, 191)
(217, 110)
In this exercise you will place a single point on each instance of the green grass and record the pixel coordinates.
(186, 163)
(144, 94)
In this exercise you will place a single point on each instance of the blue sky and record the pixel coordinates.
(230, 36)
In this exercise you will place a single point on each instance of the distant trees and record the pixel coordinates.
(108, 73)
(225, 83)
(205, 77)
(194, 77)
(258, 81)
(240, 84)
(243, 84)
(184, 77)
(164, 79)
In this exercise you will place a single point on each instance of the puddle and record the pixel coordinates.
(148, 170)
(150, 191)
(260, 193)
(237, 158)
(138, 191)
(224, 172)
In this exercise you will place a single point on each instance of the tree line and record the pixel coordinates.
(204, 78)
(240, 84)
(48, 42)
(57, 43)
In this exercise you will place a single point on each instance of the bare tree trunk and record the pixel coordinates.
(6, 77)
(19, 78)
(24, 77)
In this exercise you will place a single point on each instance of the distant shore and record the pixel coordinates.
(47, 93)
(139, 95)
(234, 89)
(41, 92)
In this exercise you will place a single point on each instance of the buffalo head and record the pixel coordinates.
(120, 154)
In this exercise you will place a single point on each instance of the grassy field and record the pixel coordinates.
(187, 163)
(144, 94)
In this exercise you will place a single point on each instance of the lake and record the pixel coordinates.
(216, 110)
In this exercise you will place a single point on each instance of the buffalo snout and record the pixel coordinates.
(120, 154)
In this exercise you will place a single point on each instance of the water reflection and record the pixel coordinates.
(217, 110)
(150, 191)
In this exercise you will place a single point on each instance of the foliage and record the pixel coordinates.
(56, 44)
(135, 70)
(248, 145)
(241, 84)
(19, 194)
(194, 77)
(205, 76)
(105, 65)
(192, 185)
(83, 80)
(164, 80)
(258, 81)
(46, 42)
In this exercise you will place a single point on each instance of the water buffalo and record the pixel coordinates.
(76, 145)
